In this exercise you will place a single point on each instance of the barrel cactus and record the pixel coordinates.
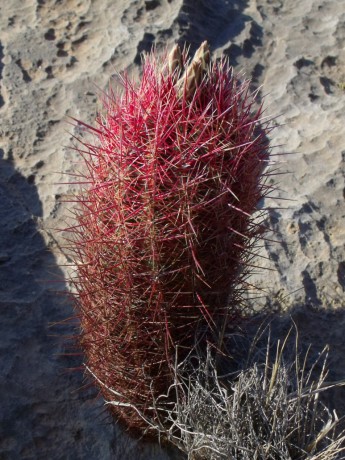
(164, 227)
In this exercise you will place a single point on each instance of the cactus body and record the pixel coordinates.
(165, 226)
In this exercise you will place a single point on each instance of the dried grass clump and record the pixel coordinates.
(270, 410)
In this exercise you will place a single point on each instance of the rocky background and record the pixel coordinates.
(55, 57)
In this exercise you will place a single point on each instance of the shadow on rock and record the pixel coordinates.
(219, 22)
(45, 412)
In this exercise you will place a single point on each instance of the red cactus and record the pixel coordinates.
(165, 226)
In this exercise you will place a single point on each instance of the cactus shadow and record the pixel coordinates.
(315, 327)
